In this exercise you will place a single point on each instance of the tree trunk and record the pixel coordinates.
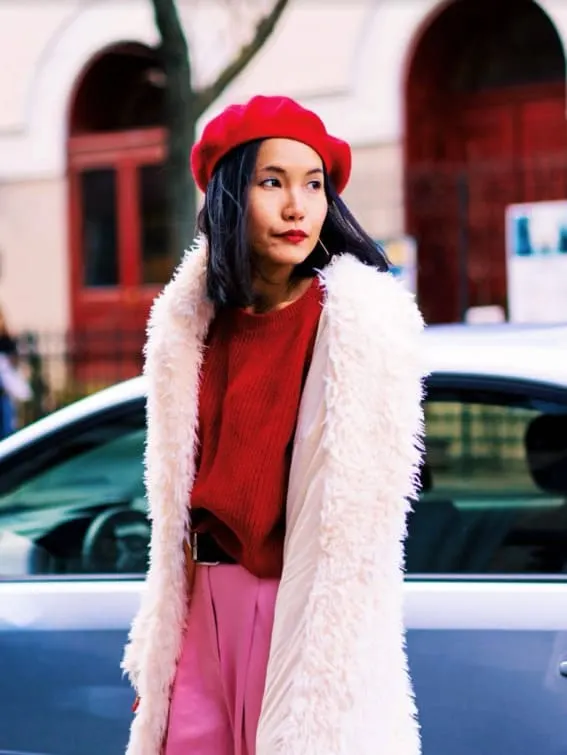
(182, 199)
(181, 116)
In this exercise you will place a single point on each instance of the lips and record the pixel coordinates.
(294, 236)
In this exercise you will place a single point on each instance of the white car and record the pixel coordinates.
(486, 557)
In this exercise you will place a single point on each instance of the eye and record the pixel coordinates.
(316, 185)
(270, 183)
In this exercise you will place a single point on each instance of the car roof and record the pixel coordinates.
(530, 334)
(128, 390)
(525, 352)
(533, 353)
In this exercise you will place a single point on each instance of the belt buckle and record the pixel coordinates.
(195, 552)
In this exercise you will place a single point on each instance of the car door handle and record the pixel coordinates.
(563, 668)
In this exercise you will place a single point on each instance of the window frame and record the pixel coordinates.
(506, 386)
(128, 302)
(27, 454)
(25, 457)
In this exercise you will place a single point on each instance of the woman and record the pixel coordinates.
(13, 387)
(284, 411)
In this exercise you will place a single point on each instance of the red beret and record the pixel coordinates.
(264, 118)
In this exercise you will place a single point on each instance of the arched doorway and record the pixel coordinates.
(485, 127)
(118, 241)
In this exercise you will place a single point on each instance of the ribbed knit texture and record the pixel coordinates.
(252, 379)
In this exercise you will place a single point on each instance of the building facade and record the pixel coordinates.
(454, 110)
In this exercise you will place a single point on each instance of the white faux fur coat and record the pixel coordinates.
(337, 681)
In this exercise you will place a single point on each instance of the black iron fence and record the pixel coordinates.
(64, 367)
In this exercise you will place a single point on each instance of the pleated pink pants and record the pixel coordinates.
(219, 684)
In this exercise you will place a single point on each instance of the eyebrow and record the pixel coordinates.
(281, 171)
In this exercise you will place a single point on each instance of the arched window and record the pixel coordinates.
(116, 151)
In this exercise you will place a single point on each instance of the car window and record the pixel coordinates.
(494, 495)
(74, 503)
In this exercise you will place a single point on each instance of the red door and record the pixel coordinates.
(543, 147)
(487, 134)
(504, 147)
(514, 151)
(119, 252)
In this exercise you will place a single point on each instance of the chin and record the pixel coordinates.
(289, 254)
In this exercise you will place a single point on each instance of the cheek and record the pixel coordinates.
(255, 226)
(319, 215)
(258, 218)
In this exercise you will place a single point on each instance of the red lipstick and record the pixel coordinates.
(294, 237)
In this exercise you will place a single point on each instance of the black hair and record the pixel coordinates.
(223, 221)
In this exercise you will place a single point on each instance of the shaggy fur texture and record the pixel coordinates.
(346, 688)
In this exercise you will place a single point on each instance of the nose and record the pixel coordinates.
(294, 209)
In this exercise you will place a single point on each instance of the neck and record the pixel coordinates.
(276, 290)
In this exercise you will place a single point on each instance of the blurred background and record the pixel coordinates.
(456, 113)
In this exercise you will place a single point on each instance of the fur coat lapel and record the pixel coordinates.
(359, 438)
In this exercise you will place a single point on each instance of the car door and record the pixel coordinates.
(487, 569)
(73, 548)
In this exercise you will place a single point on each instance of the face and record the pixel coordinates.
(287, 205)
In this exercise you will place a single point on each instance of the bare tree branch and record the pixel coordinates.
(263, 31)
(170, 29)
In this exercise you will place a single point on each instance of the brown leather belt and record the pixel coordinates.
(206, 551)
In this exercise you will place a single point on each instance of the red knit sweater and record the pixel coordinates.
(252, 379)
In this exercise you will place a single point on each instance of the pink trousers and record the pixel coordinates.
(219, 684)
